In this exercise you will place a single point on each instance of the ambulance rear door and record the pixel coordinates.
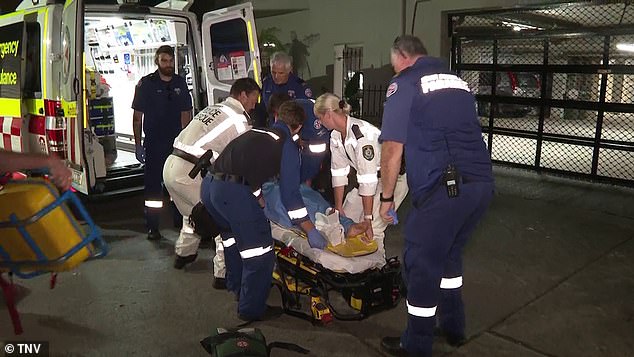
(230, 49)
(72, 96)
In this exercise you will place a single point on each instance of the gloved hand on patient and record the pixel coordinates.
(337, 229)
(316, 239)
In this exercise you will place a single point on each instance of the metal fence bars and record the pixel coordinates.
(554, 85)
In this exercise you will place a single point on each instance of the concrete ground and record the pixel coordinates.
(550, 272)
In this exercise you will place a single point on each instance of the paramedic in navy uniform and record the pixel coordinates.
(430, 117)
(162, 107)
(315, 139)
(233, 197)
(280, 80)
(314, 136)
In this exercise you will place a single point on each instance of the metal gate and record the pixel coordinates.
(554, 85)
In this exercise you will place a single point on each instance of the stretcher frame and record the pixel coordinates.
(296, 276)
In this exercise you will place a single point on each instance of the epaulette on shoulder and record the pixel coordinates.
(357, 131)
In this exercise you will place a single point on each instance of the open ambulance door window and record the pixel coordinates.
(72, 103)
(230, 49)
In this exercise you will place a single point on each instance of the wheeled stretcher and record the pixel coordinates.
(39, 234)
(308, 280)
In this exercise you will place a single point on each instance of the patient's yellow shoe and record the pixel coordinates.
(354, 247)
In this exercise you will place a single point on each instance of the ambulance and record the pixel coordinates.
(68, 69)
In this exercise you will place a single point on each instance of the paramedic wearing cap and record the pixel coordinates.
(355, 143)
(281, 80)
(162, 107)
(430, 117)
(211, 129)
(234, 199)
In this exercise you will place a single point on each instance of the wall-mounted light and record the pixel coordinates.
(627, 47)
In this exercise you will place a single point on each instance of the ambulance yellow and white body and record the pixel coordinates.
(68, 69)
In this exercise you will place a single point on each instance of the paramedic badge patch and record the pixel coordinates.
(317, 124)
(391, 89)
(308, 93)
(368, 152)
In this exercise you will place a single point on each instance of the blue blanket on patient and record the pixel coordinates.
(276, 212)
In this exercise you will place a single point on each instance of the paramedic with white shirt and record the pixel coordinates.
(211, 129)
(355, 143)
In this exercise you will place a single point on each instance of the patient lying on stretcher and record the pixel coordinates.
(346, 238)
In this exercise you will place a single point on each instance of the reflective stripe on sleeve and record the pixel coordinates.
(255, 252)
(340, 172)
(451, 283)
(367, 178)
(257, 192)
(298, 213)
(273, 135)
(421, 311)
(153, 204)
(229, 242)
(295, 137)
(317, 148)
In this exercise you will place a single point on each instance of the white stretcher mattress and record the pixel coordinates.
(327, 259)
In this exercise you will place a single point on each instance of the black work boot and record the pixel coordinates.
(219, 283)
(454, 340)
(154, 235)
(180, 262)
(392, 346)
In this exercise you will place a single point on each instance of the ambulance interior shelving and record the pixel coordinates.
(119, 52)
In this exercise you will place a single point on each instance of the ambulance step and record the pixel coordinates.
(120, 181)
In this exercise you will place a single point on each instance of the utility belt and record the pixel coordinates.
(230, 178)
(201, 165)
(237, 179)
(185, 156)
(452, 180)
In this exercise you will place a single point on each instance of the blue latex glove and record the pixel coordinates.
(316, 239)
(392, 214)
(140, 153)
